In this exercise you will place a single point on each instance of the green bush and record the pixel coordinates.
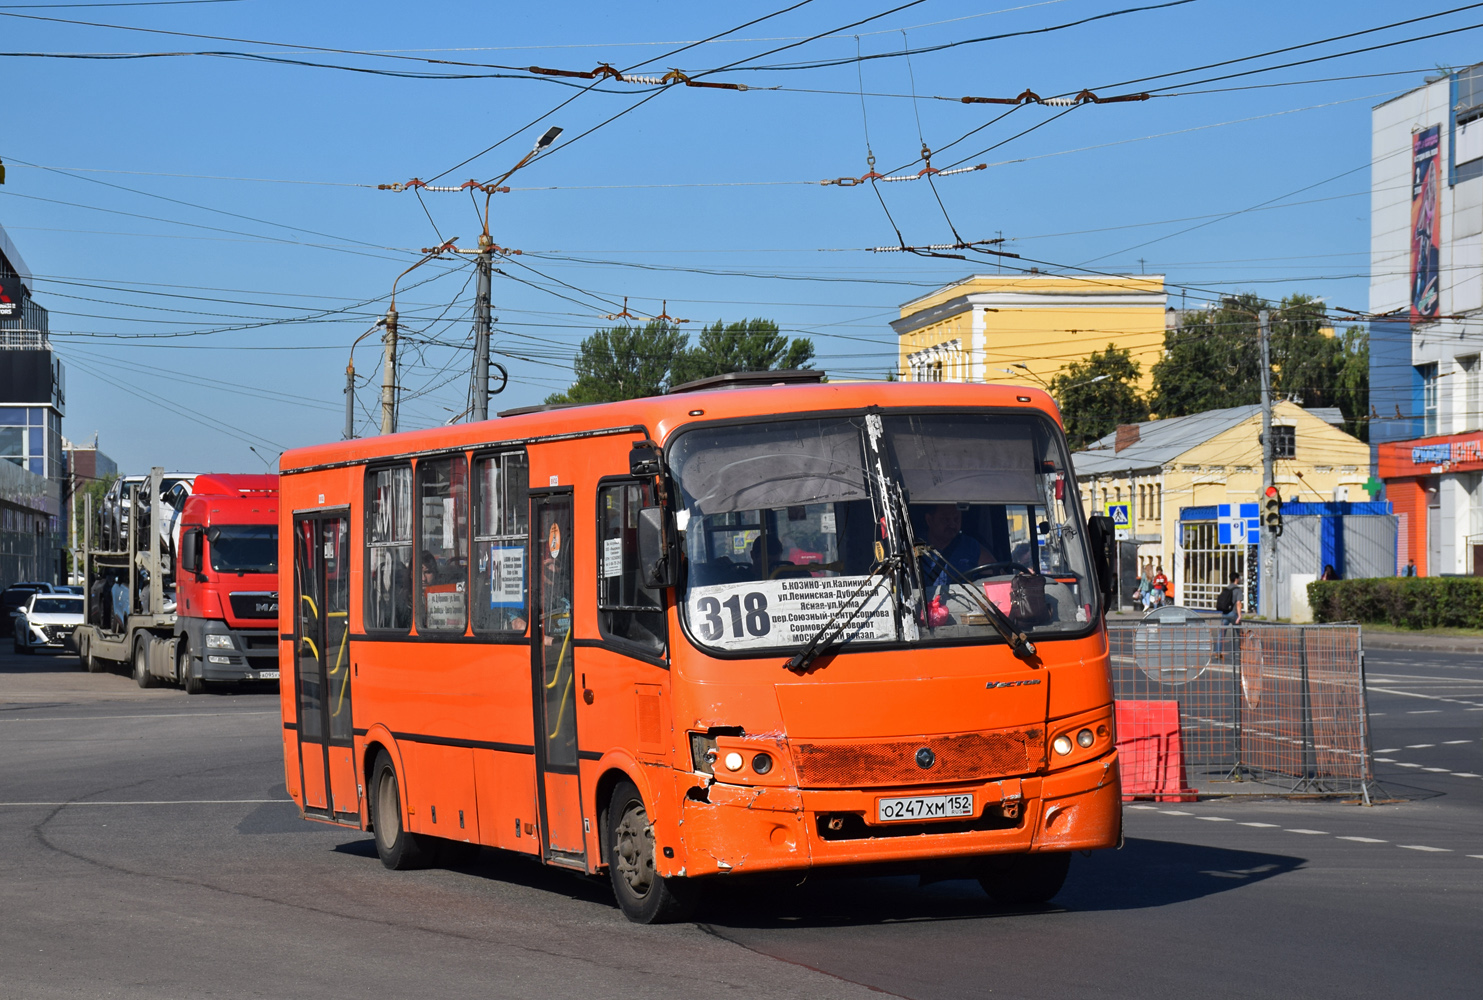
(1404, 602)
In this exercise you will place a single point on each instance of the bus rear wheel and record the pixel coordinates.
(644, 896)
(1024, 879)
(398, 848)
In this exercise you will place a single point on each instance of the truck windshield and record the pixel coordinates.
(244, 548)
(783, 526)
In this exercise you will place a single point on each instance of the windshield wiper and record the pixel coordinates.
(1018, 641)
(822, 641)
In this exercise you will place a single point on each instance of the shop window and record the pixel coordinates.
(443, 545)
(389, 549)
(501, 531)
(627, 610)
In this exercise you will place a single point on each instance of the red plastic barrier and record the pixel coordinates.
(1150, 751)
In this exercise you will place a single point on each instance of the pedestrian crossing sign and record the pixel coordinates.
(1121, 520)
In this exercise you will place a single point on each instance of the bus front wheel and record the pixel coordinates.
(1024, 879)
(644, 896)
(398, 848)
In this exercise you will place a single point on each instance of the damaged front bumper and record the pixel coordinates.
(730, 828)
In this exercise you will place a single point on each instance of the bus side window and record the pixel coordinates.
(389, 549)
(626, 610)
(443, 544)
(501, 585)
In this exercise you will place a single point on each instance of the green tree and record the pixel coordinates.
(752, 345)
(624, 362)
(1097, 394)
(1213, 360)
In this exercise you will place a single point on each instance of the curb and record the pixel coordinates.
(1420, 643)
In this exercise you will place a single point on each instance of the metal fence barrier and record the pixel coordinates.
(1280, 705)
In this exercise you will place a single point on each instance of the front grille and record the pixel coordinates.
(250, 604)
(57, 633)
(971, 756)
(259, 641)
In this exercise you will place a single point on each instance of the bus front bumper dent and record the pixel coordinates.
(776, 828)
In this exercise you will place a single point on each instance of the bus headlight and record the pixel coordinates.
(703, 753)
(1062, 745)
(1085, 738)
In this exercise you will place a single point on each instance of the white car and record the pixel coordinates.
(46, 621)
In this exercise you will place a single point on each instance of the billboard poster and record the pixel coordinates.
(1426, 234)
(10, 296)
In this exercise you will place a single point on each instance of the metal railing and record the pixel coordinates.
(1283, 706)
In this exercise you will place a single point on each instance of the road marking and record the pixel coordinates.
(1270, 826)
(1453, 743)
(1428, 711)
(1391, 750)
(1418, 746)
(1404, 764)
(1423, 847)
(1363, 840)
(1312, 833)
(1214, 819)
(1467, 774)
(1384, 760)
(1154, 808)
(1437, 770)
(155, 802)
(153, 715)
(1475, 855)
(1174, 812)
(1428, 697)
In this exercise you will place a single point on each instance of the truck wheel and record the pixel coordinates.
(90, 663)
(192, 685)
(142, 676)
(644, 896)
(398, 848)
(1024, 879)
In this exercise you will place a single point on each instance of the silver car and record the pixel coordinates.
(47, 621)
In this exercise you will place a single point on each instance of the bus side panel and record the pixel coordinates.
(440, 791)
(345, 780)
(506, 792)
(314, 790)
(291, 762)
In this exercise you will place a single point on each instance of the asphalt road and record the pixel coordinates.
(146, 851)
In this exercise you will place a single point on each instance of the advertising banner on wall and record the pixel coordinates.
(10, 296)
(1426, 228)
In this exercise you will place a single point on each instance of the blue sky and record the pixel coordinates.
(191, 200)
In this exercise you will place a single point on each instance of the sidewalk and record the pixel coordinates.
(1375, 637)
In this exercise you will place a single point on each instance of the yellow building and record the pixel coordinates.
(1027, 327)
(1190, 466)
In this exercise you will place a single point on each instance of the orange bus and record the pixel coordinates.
(741, 627)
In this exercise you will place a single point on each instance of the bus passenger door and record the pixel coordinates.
(553, 673)
(322, 674)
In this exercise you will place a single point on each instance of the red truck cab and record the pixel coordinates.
(226, 591)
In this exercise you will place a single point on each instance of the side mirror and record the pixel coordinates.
(190, 550)
(643, 460)
(1102, 534)
(659, 549)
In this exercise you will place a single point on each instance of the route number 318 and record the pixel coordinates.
(749, 611)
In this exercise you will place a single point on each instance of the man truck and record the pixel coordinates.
(190, 604)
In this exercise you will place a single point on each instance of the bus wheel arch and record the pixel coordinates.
(617, 768)
(379, 741)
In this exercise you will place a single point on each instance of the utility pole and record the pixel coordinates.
(1267, 539)
(484, 266)
(388, 375)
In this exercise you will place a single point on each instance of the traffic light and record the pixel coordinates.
(1272, 510)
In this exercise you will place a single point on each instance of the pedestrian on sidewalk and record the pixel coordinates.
(1229, 604)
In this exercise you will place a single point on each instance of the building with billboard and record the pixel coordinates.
(1026, 327)
(33, 399)
(1426, 291)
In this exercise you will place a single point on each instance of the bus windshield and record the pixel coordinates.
(244, 548)
(787, 530)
